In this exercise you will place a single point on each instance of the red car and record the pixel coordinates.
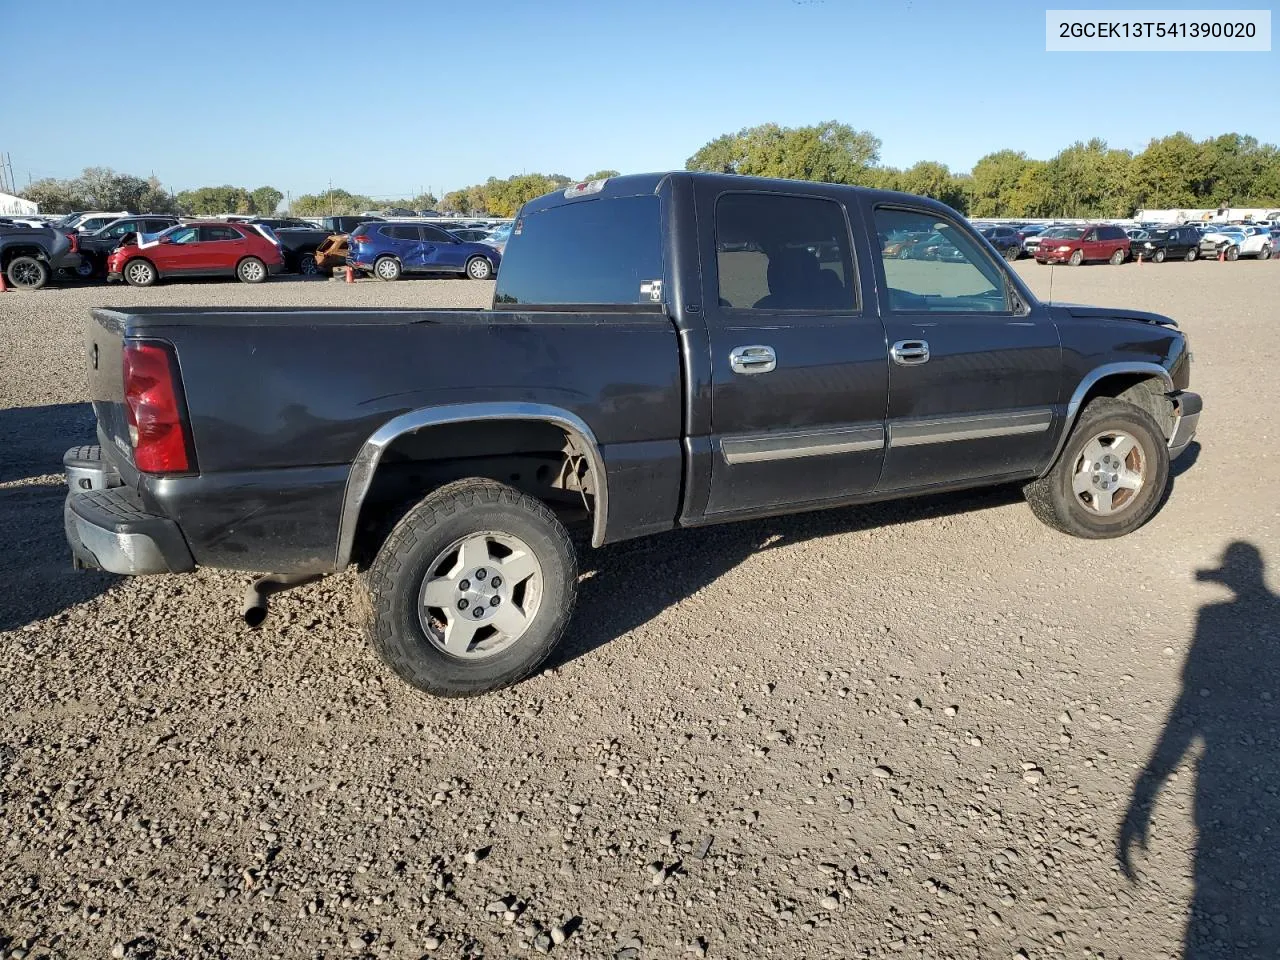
(1097, 241)
(212, 249)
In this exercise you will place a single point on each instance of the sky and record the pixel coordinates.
(390, 98)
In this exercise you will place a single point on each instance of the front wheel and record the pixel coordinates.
(251, 270)
(1158, 257)
(472, 590)
(1076, 258)
(27, 273)
(386, 268)
(1011, 254)
(478, 268)
(1233, 253)
(140, 273)
(1111, 476)
(1117, 258)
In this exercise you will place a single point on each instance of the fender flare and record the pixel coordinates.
(1087, 383)
(365, 466)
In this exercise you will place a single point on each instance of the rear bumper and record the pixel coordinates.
(1184, 430)
(107, 527)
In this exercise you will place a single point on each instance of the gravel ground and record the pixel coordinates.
(909, 730)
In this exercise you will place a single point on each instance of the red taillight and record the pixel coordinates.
(160, 441)
(360, 238)
(75, 241)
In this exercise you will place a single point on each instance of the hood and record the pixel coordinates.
(1082, 312)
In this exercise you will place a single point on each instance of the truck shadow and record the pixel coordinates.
(35, 566)
(628, 584)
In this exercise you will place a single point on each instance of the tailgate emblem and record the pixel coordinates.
(94, 356)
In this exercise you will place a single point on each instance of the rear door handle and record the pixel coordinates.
(756, 358)
(910, 352)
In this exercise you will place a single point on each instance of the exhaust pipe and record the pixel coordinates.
(254, 609)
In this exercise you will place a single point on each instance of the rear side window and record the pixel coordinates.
(777, 252)
(1111, 233)
(587, 252)
(219, 233)
(401, 232)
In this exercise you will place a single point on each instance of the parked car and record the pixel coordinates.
(202, 249)
(624, 383)
(388, 250)
(283, 223)
(97, 246)
(1079, 245)
(332, 253)
(345, 224)
(470, 234)
(1005, 239)
(30, 255)
(299, 245)
(95, 220)
(498, 237)
(1258, 243)
(1224, 241)
(1165, 242)
(1032, 243)
(1135, 233)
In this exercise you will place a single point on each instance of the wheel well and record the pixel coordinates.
(21, 250)
(1142, 390)
(536, 457)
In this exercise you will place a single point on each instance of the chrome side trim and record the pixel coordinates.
(1087, 383)
(802, 443)
(911, 433)
(366, 463)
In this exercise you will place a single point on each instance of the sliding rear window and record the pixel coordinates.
(606, 251)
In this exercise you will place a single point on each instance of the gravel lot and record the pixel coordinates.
(910, 730)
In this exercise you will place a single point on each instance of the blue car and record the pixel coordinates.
(390, 249)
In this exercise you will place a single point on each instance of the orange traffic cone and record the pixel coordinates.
(351, 275)
(1222, 255)
(3, 286)
(1139, 259)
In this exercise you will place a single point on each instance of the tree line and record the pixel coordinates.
(1082, 180)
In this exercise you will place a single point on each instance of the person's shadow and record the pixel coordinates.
(1229, 705)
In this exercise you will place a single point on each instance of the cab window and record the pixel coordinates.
(932, 264)
(779, 252)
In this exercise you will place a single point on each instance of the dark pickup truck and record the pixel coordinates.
(664, 351)
(29, 256)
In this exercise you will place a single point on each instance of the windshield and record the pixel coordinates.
(1160, 234)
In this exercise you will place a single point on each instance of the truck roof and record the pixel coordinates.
(640, 184)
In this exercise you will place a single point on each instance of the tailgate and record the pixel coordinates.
(104, 359)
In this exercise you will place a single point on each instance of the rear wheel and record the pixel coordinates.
(1076, 258)
(140, 273)
(27, 273)
(472, 590)
(307, 265)
(1011, 254)
(478, 268)
(1264, 253)
(87, 269)
(1158, 257)
(1192, 254)
(1116, 258)
(386, 268)
(1111, 476)
(251, 270)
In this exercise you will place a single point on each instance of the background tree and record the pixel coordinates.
(265, 200)
(830, 152)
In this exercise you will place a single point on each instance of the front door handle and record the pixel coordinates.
(910, 352)
(756, 358)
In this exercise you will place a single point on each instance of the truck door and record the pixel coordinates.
(974, 374)
(799, 368)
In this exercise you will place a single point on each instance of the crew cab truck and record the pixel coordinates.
(663, 351)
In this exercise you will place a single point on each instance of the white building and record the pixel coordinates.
(16, 206)
(1214, 215)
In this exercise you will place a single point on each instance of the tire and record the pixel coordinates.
(1116, 258)
(386, 268)
(27, 273)
(1192, 254)
(140, 273)
(904, 253)
(1011, 254)
(251, 270)
(1069, 497)
(1233, 254)
(478, 268)
(88, 268)
(1158, 257)
(307, 265)
(427, 547)
(1076, 258)
(1264, 253)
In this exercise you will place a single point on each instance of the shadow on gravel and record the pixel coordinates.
(33, 439)
(35, 565)
(634, 581)
(1226, 711)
